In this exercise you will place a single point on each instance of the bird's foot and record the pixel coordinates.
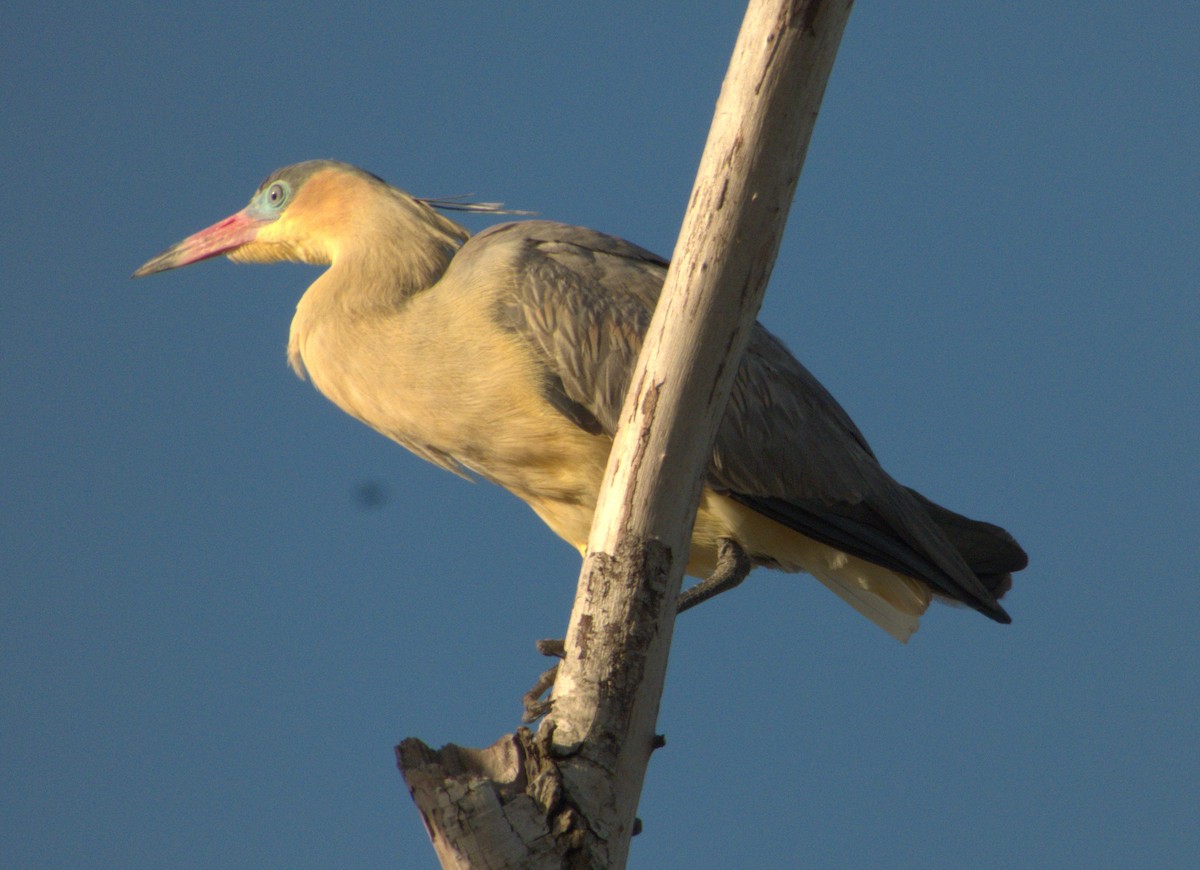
(732, 567)
(535, 705)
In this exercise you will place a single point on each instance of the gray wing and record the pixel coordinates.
(583, 301)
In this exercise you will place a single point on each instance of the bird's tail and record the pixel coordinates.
(989, 551)
(886, 567)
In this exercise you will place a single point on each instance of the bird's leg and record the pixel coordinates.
(535, 707)
(733, 565)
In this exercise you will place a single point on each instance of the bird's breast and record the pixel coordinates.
(447, 382)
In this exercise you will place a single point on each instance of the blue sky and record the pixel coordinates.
(210, 641)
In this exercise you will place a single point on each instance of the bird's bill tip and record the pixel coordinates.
(221, 238)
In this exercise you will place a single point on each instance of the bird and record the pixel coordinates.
(506, 356)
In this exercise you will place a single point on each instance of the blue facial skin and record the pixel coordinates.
(270, 200)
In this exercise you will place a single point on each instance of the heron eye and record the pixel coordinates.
(277, 194)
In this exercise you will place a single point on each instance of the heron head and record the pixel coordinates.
(296, 214)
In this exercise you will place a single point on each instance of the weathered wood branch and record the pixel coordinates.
(568, 796)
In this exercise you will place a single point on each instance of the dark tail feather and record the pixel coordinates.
(991, 552)
(863, 531)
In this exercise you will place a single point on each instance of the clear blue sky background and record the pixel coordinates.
(210, 642)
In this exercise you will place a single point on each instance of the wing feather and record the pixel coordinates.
(786, 448)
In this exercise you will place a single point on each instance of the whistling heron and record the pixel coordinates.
(508, 354)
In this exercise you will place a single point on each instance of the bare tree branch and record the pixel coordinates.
(583, 772)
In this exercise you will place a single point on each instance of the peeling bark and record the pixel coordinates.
(501, 807)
